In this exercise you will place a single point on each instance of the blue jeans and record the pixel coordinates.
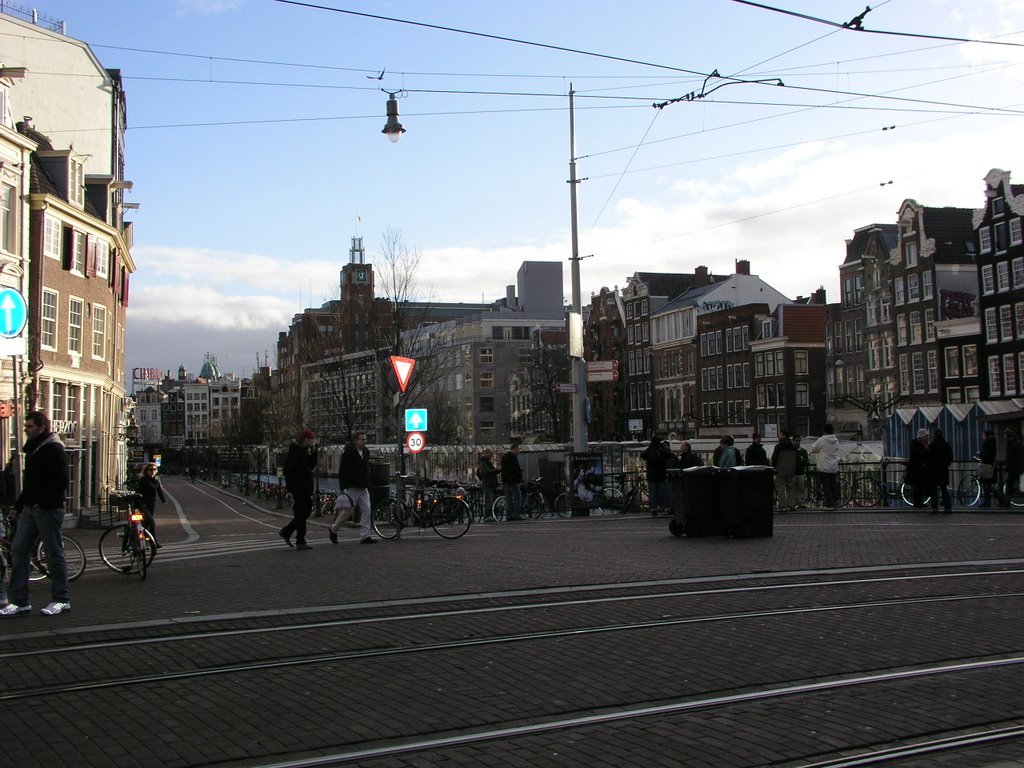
(513, 501)
(660, 494)
(44, 524)
(488, 502)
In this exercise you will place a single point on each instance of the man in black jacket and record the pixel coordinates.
(298, 479)
(512, 479)
(354, 479)
(40, 510)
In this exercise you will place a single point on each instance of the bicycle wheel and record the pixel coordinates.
(907, 494)
(387, 519)
(533, 505)
(74, 557)
(609, 502)
(868, 491)
(450, 518)
(969, 490)
(498, 509)
(116, 550)
(562, 506)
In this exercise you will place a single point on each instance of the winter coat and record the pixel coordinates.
(826, 453)
(354, 470)
(784, 458)
(45, 480)
(298, 470)
(657, 457)
(486, 473)
(756, 455)
(940, 456)
(511, 472)
(917, 465)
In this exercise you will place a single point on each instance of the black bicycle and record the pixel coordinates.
(128, 547)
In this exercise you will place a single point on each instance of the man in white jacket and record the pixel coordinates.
(826, 458)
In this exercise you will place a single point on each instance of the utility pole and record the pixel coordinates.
(579, 365)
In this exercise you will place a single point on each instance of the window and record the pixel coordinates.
(1019, 308)
(79, 253)
(953, 395)
(629, 334)
(647, 331)
(994, 383)
(1015, 233)
(915, 327)
(886, 310)
(929, 325)
(901, 330)
(1002, 236)
(918, 365)
(897, 291)
(8, 218)
(102, 259)
(952, 363)
(913, 288)
(99, 330)
(487, 380)
(800, 361)
(75, 325)
(1006, 322)
(872, 311)
(76, 182)
(487, 404)
(971, 360)
(985, 239)
(1018, 272)
(988, 283)
(933, 371)
(905, 374)
(487, 429)
(779, 368)
(643, 307)
(911, 254)
(48, 327)
(800, 399)
(991, 325)
(486, 354)
(1009, 375)
(52, 239)
(927, 284)
(1002, 276)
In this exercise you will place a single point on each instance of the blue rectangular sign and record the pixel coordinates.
(415, 419)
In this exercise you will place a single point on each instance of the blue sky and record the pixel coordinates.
(254, 141)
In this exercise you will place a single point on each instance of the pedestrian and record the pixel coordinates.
(917, 469)
(784, 463)
(826, 459)
(658, 455)
(940, 457)
(512, 478)
(354, 481)
(487, 474)
(727, 455)
(800, 478)
(149, 488)
(756, 454)
(987, 466)
(40, 508)
(687, 456)
(298, 479)
(1014, 464)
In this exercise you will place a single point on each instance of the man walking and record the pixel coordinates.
(512, 478)
(298, 479)
(40, 510)
(354, 480)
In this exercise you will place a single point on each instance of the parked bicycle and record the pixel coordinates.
(74, 555)
(444, 509)
(128, 547)
(538, 501)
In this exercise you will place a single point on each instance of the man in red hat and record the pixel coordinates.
(298, 479)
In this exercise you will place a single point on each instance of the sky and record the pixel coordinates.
(254, 143)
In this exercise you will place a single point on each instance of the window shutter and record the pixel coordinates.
(90, 256)
(115, 270)
(67, 257)
(124, 288)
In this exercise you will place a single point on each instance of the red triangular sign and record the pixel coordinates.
(403, 370)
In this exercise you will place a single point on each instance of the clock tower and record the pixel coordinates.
(357, 275)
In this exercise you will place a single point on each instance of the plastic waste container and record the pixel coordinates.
(747, 501)
(380, 482)
(696, 502)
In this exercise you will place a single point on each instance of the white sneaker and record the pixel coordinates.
(15, 610)
(55, 608)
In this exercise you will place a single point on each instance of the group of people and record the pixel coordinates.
(353, 481)
(660, 458)
(510, 472)
(928, 470)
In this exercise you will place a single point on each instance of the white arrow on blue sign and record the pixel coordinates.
(415, 419)
(13, 314)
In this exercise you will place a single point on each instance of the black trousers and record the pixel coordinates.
(302, 506)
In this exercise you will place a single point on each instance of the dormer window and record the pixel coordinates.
(76, 182)
(998, 206)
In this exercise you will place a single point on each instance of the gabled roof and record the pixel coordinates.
(687, 298)
(860, 244)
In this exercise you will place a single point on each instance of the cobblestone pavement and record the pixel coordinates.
(222, 560)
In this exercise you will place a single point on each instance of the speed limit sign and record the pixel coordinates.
(415, 442)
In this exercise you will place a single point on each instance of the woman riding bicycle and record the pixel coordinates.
(149, 488)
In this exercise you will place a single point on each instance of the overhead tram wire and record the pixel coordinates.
(856, 25)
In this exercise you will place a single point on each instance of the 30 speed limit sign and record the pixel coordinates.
(415, 442)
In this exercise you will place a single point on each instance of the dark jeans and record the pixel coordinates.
(830, 488)
(302, 506)
(45, 525)
(513, 501)
(946, 505)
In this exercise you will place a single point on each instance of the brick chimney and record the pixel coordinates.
(818, 297)
(742, 267)
(701, 273)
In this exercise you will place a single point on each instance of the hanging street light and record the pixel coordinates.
(393, 129)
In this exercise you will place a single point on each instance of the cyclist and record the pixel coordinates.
(149, 488)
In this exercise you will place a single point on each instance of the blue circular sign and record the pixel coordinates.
(13, 314)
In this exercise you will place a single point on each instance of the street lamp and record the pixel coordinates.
(393, 129)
